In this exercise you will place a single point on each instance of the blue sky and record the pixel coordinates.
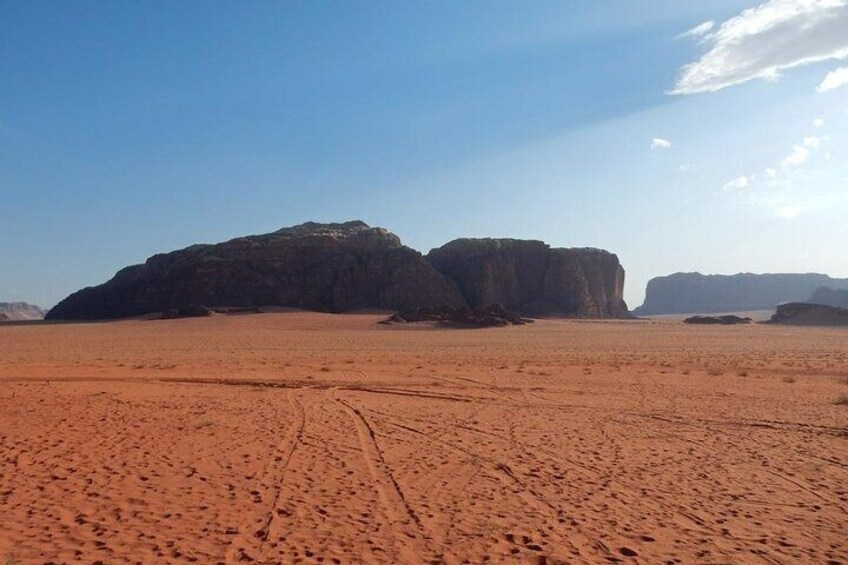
(128, 129)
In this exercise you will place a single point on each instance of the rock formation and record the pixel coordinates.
(3, 317)
(533, 279)
(717, 320)
(21, 311)
(804, 314)
(323, 267)
(830, 297)
(491, 316)
(683, 293)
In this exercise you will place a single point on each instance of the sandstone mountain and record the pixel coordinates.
(683, 293)
(533, 279)
(351, 266)
(323, 267)
(20, 311)
(830, 297)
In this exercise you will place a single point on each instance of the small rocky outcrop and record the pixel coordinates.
(805, 314)
(830, 297)
(16, 311)
(3, 317)
(717, 320)
(533, 279)
(192, 311)
(683, 293)
(491, 316)
(322, 267)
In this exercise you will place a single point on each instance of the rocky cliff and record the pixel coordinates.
(20, 311)
(830, 297)
(323, 267)
(683, 293)
(533, 279)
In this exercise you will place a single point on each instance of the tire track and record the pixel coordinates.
(403, 522)
(249, 544)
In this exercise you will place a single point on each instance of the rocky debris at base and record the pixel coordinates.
(193, 311)
(717, 320)
(492, 316)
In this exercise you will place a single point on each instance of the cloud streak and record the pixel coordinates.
(762, 42)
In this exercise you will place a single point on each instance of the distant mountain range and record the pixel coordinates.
(692, 293)
(16, 311)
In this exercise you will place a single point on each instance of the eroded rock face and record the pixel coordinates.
(683, 293)
(533, 279)
(323, 267)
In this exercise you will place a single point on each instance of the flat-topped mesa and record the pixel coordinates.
(323, 267)
(683, 293)
(533, 279)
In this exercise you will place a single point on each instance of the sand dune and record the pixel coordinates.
(317, 438)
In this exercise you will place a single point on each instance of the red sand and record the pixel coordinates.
(318, 438)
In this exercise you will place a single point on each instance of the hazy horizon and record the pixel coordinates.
(682, 137)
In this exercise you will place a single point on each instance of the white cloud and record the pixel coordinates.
(738, 183)
(684, 167)
(698, 30)
(798, 156)
(818, 122)
(761, 42)
(834, 79)
(660, 143)
(812, 142)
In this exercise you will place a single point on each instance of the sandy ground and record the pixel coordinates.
(306, 437)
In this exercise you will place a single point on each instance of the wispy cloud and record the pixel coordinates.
(834, 79)
(763, 41)
(698, 31)
(660, 143)
(774, 188)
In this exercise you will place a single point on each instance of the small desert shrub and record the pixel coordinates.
(789, 380)
(842, 400)
(714, 372)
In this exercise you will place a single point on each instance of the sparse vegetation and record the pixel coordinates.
(789, 380)
(842, 400)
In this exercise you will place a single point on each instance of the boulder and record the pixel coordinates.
(16, 311)
(533, 279)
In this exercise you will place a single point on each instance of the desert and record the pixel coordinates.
(312, 437)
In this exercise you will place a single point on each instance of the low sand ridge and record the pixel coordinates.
(318, 438)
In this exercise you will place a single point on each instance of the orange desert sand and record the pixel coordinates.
(302, 437)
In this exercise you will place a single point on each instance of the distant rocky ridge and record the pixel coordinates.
(533, 279)
(683, 293)
(17, 311)
(830, 297)
(351, 266)
(804, 314)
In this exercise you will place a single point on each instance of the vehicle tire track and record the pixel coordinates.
(248, 545)
(403, 522)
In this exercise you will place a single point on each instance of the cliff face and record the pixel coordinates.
(323, 267)
(20, 311)
(531, 278)
(683, 293)
(802, 314)
(830, 297)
